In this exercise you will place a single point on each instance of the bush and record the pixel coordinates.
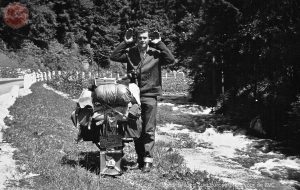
(68, 83)
(7, 72)
(177, 85)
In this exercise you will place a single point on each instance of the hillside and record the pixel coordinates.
(5, 61)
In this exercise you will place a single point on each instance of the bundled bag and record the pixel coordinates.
(113, 95)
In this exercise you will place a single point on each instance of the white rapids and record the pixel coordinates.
(224, 155)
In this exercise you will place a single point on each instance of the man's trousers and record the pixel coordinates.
(145, 144)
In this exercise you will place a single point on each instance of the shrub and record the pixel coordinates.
(177, 85)
(7, 72)
(70, 83)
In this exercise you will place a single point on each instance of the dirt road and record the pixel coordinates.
(7, 84)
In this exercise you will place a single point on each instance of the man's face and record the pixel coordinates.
(143, 40)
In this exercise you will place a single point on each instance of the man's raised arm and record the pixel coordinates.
(166, 54)
(119, 54)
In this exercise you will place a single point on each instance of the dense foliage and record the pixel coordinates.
(63, 33)
(7, 72)
(251, 45)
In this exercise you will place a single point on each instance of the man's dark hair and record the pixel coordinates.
(142, 29)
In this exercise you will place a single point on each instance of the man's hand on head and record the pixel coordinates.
(156, 37)
(128, 38)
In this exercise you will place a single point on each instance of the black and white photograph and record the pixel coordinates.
(150, 95)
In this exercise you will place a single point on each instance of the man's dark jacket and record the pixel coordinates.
(148, 68)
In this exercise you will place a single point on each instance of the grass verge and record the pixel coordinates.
(43, 134)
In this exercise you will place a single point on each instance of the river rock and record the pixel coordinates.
(222, 128)
(266, 148)
(240, 132)
(256, 126)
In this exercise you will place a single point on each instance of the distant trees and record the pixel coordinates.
(89, 29)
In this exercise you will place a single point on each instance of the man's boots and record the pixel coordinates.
(138, 165)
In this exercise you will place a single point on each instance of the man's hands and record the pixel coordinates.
(156, 37)
(129, 36)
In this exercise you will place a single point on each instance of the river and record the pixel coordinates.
(235, 158)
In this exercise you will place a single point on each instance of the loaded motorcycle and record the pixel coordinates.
(108, 114)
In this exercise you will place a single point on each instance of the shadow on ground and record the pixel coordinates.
(91, 161)
(88, 160)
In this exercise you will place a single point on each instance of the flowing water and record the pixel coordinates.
(237, 159)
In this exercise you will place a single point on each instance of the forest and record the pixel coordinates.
(242, 55)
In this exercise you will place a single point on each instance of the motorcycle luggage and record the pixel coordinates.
(113, 95)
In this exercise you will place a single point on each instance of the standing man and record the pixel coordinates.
(144, 61)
